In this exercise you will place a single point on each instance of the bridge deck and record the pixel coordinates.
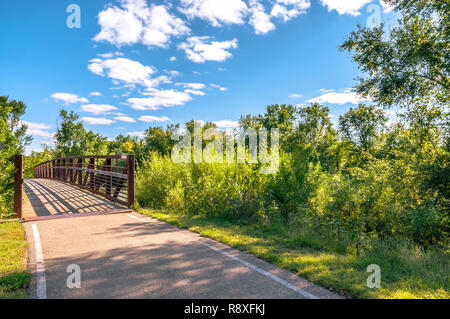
(49, 198)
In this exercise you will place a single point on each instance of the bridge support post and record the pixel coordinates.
(18, 185)
(130, 164)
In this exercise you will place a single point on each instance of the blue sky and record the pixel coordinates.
(135, 63)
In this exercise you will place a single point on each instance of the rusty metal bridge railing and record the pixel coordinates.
(110, 176)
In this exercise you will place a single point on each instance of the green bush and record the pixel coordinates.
(232, 191)
(351, 208)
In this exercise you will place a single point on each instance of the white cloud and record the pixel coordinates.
(125, 119)
(259, 19)
(106, 55)
(221, 88)
(194, 92)
(227, 124)
(150, 118)
(38, 129)
(279, 11)
(119, 26)
(98, 108)
(217, 12)
(295, 95)
(68, 98)
(97, 121)
(125, 70)
(351, 7)
(160, 25)
(325, 90)
(194, 86)
(36, 126)
(159, 98)
(95, 94)
(173, 73)
(387, 8)
(136, 134)
(40, 133)
(338, 98)
(135, 22)
(173, 58)
(201, 49)
(288, 9)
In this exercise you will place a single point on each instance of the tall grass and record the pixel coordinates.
(355, 215)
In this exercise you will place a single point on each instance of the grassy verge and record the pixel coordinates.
(14, 276)
(405, 272)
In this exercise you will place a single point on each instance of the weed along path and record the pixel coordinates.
(129, 255)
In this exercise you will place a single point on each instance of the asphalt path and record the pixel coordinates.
(129, 255)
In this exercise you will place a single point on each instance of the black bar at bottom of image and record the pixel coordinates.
(233, 308)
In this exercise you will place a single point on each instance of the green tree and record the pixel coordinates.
(12, 112)
(13, 139)
(362, 125)
(121, 144)
(35, 158)
(315, 136)
(409, 62)
(70, 135)
(72, 138)
(160, 140)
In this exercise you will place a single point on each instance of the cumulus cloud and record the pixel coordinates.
(161, 25)
(68, 98)
(110, 55)
(125, 70)
(194, 92)
(350, 7)
(221, 88)
(288, 9)
(227, 124)
(136, 134)
(98, 108)
(150, 118)
(159, 98)
(194, 86)
(201, 49)
(173, 73)
(259, 19)
(123, 118)
(38, 129)
(95, 94)
(334, 97)
(40, 133)
(135, 22)
(36, 126)
(217, 12)
(295, 95)
(97, 120)
(172, 58)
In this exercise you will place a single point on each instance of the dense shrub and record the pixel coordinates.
(227, 190)
(349, 209)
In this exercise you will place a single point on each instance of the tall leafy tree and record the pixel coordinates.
(35, 158)
(316, 136)
(410, 62)
(362, 125)
(160, 140)
(12, 111)
(72, 138)
(13, 140)
(69, 135)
